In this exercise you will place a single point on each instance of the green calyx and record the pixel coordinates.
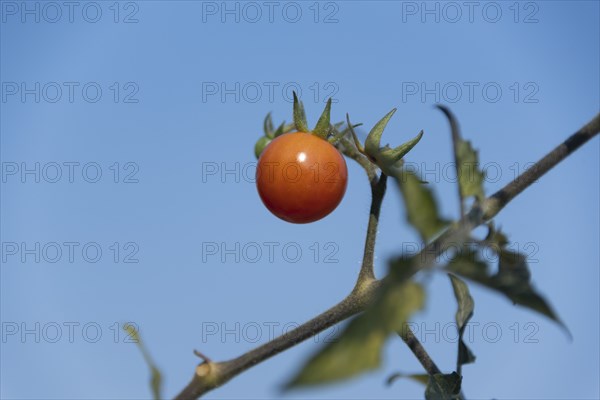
(299, 115)
(388, 159)
(323, 127)
(270, 133)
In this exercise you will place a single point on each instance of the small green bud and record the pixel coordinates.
(260, 146)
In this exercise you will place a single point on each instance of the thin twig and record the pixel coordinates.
(349, 149)
(418, 350)
(502, 197)
(367, 267)
(421, 354)
(211, 375)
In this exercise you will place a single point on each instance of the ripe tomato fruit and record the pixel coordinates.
(301, 178)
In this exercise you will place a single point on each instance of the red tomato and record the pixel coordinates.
(301, 178)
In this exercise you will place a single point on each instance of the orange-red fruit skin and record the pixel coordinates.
(301, 178)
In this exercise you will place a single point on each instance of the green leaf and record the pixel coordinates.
(443, 387)
(512, 268)
(324, 125)
(268, 126)
(470, 177)
(374, 137)
(420, 378)
(299, 115)
(155, 374)
(466, 305)
(421, 207)
(358, 349)
(495, 239)
(512, 279)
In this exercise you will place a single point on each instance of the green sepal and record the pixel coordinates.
(280, 130)
(299, 115)
(288, 128)
(357, 143)
(323, 126)
(340, 134)
(389, 158)
(374, 137)
(268, 126)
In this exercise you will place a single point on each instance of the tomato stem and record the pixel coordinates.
(378, 193)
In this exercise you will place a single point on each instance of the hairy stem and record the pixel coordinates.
(367, 267)
(211, 375)
(418, 350)
(502, 197)
(349, 149)
(421, 354)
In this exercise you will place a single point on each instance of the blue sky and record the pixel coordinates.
(137, 121)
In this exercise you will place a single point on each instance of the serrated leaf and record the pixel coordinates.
(155, 374)
(324, 125)
(512, 280)
(512, 267)
(495, 238)
(420, 378)
(299, 115)
(470, 177)
(466, 305)
(358, 349)
(443, 387)
(421, 207)
(374, 138)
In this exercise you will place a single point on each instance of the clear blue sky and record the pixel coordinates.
(184, 88)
